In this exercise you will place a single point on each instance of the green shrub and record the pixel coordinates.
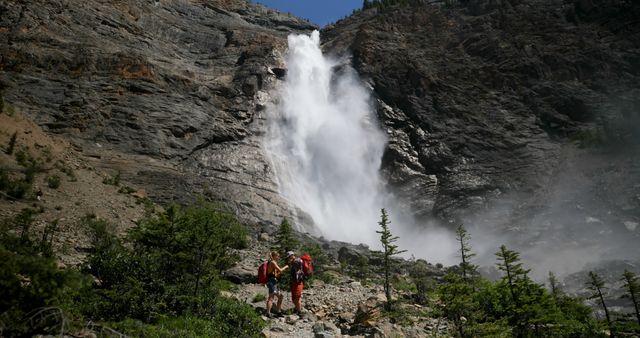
(404, 284)
(5, 181)
(67, 170)
(362, 267)
(9, 109)
(162, 282)
(53, 181)
(18, 189)
(46, 242)
(23, 220)
(184, 327)
(115, 180)
(326, 277)
(126, 189)
(31, 165)
(172, 264)
(46, 153)
(236, 319)
(41, 304)
(243, 322)
(23, 157)
(259, 297)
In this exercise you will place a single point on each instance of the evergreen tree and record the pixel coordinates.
(457, 291)
(24, 219)
(285, 240)
(195, 246)
(596, 284)
(468, 269)
(457, 296)
(509, 263)
(633, 288)
(528, 305)
(556, 293)
(12, 143)
(389, 250)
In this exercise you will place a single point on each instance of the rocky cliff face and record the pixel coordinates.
(523, 113)
(494, 108)
(480, 99)
(167, 92)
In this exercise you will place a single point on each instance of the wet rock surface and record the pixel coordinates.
(481, 99)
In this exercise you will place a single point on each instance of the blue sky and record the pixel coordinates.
(320, 12)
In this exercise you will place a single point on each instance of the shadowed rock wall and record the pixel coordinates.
(485, 98)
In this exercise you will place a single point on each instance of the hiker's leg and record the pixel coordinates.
(296, 293)
(273, 289)
(295, 299)
(280, 297)
(269, 302)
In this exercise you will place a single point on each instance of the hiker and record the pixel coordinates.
(273, 273)
(297, 280)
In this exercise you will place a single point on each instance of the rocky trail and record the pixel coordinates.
(344, 307)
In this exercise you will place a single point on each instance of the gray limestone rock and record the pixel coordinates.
(169, 93)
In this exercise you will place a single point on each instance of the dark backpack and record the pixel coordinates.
(307, 267)
(262, 272)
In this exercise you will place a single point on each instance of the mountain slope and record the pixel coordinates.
(167, 92)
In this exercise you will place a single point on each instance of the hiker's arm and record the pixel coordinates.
(279, 268)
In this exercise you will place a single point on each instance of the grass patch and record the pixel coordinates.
(259, 297)
(8, 109)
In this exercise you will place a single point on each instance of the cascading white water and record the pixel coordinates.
(326, 146)
(326, 149)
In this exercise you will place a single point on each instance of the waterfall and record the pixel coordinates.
(326, 146)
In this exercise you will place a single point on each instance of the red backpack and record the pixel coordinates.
(262, 273)
(307, 267)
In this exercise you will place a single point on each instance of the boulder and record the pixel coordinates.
(291, 319)
(241, 275)
(367, 314)
(325, 326)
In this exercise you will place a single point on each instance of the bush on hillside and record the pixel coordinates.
(35, 295)
(53, 181)
(162, 280)
(172, 264)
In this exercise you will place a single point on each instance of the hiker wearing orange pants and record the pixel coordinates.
(297, 280)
